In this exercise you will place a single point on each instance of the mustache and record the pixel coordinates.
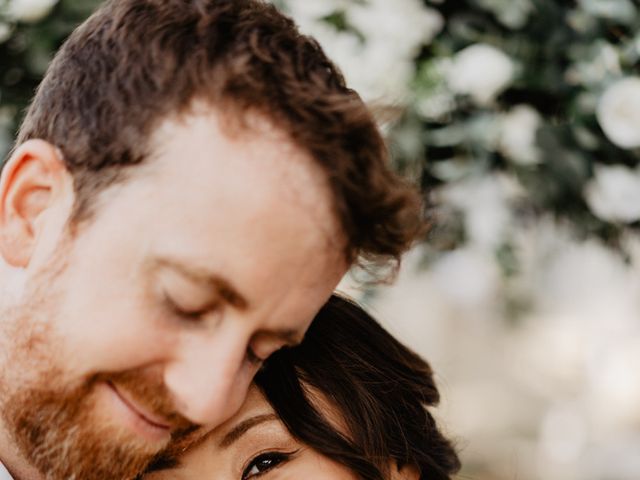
(149, 391)
(56, 429)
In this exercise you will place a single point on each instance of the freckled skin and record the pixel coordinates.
(251, 208)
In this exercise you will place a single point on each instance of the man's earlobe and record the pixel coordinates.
(32, 180)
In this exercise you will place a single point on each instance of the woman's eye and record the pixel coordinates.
(263, 463)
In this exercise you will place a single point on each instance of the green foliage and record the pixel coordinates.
(559, 59)
(565, 55)
(25, 54)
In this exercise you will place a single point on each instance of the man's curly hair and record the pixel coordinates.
(136, 62)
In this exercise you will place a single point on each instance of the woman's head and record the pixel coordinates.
(378, 389)
(349, 403)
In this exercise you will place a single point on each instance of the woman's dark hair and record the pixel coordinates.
(381, 390)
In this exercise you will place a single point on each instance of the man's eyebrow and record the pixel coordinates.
(223, 286)
(243, 427)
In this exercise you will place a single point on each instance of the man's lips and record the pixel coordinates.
(150, 418)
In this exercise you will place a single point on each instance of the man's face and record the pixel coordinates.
(152, 319)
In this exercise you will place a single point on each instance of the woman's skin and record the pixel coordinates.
(254, 444)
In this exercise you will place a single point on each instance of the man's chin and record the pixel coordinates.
(84, 454)
(65, 436)
(116, 410)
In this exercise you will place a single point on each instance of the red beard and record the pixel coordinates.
(59, 432)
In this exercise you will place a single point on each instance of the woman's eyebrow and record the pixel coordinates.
(243, 427)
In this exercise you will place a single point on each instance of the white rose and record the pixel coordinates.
(467, 277)
(30, 11)
(378, 61)
(518, 135)
(614, 194)
(403, 24)
(614, 385)
(481, 71)
(370, 69)
(618, 112)
(304, 11)
(5, 32)
(484, 201)
(563, 435)
(621, 10)
(375, 68)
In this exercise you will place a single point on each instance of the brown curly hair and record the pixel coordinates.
(135, 62)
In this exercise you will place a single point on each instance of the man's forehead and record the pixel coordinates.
(195, 147)
(201, 137)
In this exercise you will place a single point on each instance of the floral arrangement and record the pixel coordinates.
(541, 99)
(520, 121)
(30, 32)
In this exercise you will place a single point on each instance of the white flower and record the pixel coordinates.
(518, 135)
(620, 10)
(374, 70)
(558, 366)
(381, 73)
(614, 194)
(405, 24)
(468, 278)
(484, 202)
(303, 9)
(511, 13)
(596, 66)
(5, 32)
(618, 112)
(30, 11)
(614, 383)
(481, 71)
(378, 60)
(436, 105)
(563, 434)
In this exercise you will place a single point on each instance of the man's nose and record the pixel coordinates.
(208, 378)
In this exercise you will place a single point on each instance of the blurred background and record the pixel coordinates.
(520, 121)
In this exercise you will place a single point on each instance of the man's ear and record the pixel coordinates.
(33, 180)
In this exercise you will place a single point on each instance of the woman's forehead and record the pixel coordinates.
(256, 408)
(255, 405)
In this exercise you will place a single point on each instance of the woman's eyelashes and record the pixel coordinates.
(264, 463)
